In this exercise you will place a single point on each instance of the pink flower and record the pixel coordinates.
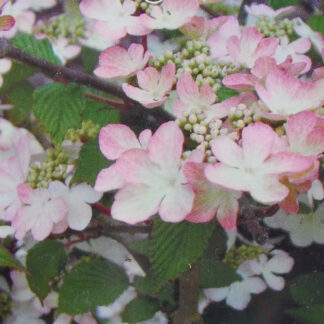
(114, 140)
(256, 166)
(154, 180)
(114, 19)
(250, 46)
(154, 86)
(305, 133)
(39, 214)
(201, 28)
(191, 99)
(117, 62)
(210, 200)
(295, 50)
(172, 14)
(285, 94)
(228, 26)
(259, 10)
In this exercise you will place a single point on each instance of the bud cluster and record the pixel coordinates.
(236, 256)
(242, 115)
(203, 130)
(195, 59)
(62, 27)
(54, 167)
(88, 130)
(271, 27)
(5, 306)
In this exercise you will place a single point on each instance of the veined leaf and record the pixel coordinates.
(89, 284)
(176, 246)
(59, 107)
(8, 260)
(38, 47)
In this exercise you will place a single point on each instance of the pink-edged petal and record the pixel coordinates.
(97, 9)
(25, 193)
(227, 212)
(80, 215)
(187, 87)
(285, 162)
(257, 143)
(115, 139)
(227, 177)
(227, 151)
(148, 77)
(177, 203)
(167, 76)
(266, 47)
(239, 81)
(136, 203)
(85, 193)
(165, 146)
(134, 166)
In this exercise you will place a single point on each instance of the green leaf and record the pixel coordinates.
(20, 96)
(277, 4)
(308, 315)
(100, 114)
(147, 285)
(18, 72)
(176, 246)
(308, 289)
(216, 274)
(89, 58)
(8, 260)
(38, 47)
(224, 93)
(44, 261)
(141, 246)
(90, 162)
(217, 244)
(140, 309)
(59, 107)
(317, 23)
(89, 284)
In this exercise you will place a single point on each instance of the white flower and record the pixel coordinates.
(238, 294)
(303, 228)
(77, 199)
(280, 263)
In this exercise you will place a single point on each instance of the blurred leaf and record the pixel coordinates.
(317, 23)
(20, 96)
(216, 274)
(18, 72)
(89, 284)
(140, 309)
(308, 315)
(38, 47)
(216, 248)
(90, 163)
(147, 285)
(141, 246)
(308, 289)
(8, 260)
(59, 107)
(176, 246)
(277, 4)
(224, 93)
(89, 58)
(44, 261)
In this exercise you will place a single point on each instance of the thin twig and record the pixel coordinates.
(111, 102)
(242, 13)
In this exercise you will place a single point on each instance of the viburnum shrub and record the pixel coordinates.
(158, 157)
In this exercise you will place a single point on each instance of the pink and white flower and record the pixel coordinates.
(39, 214)
(154, 180)
(77, 200)
(257, 165)
(154, 86)
(171, 14)
(114, 19)
(117, 62)
(250, 46)
(285, 94)
(210, 200)
(114, 140)
(295, 50)
(191, 98)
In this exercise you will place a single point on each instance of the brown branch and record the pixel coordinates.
(113, 103)
(209, 11)
(57, 71)
(242, 13)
